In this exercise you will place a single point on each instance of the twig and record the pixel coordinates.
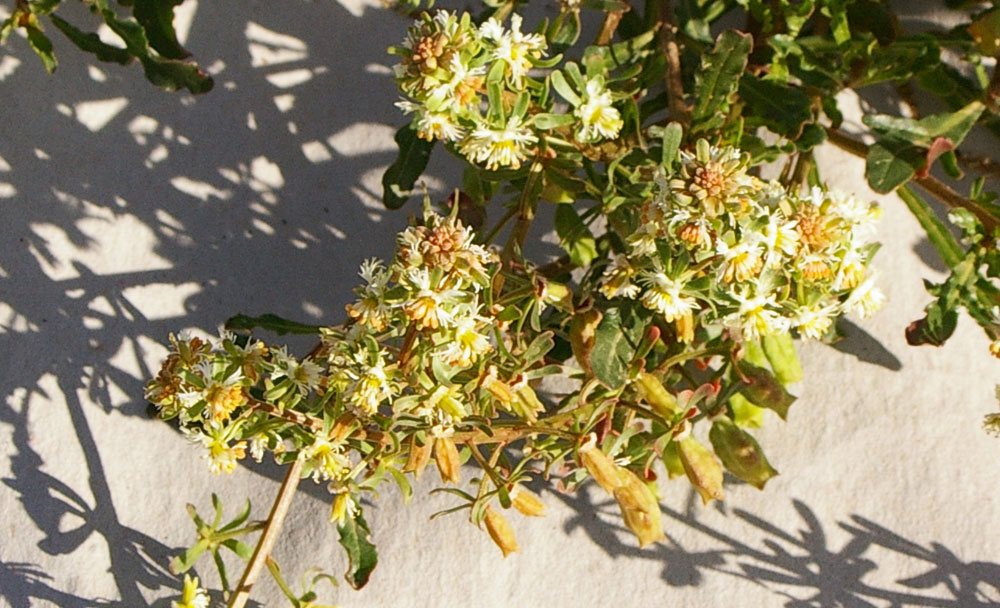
(260, 554)
(679, 110)
(608, 27)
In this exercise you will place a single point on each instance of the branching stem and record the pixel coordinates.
(270, 534)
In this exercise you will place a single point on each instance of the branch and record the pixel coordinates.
(679, 110)
(270, 534)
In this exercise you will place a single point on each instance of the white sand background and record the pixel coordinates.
(128, 213)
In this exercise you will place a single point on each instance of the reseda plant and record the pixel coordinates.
(686, 273)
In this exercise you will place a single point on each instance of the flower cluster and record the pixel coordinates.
(447, 69)
(420, 344)
(716, 245)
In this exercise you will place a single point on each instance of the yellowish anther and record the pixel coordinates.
(500, 531)
(446, 458)
(222, 400)
(815, 270)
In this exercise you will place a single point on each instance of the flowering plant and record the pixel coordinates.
(699, 241)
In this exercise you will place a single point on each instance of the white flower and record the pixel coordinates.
(305, 374)
(512, 47)
(643, 240)
(327, 460)
(598, 119)
(741, 262)
(617, 279)
(780, 238)
(866, 299)
(498, 148)
(663, 295)
(467, 344)
(755, 319)
(812, 322)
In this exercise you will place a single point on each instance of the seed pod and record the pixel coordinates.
(740, 453)
(419, 456)
(703, 470)
(501, 532)
(655, 395)
(527, 502)
(446, 457)
(639, 507)
(604, 470)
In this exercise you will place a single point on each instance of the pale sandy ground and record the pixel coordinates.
(128, 213)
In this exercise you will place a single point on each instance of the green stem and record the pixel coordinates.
(270, 534)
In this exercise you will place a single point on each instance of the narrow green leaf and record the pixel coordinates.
(398, 179)
(240, 548)
(938, 234)
(361, 553)
(91, 42)
(183, 562)
(272, 323)
(951, 125)
(562, 87)
(552, 121)
(42, 46)
(719, 77)
(673, 134)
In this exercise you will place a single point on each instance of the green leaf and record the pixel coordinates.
(740, 453)
(746, 413)
(42, 46)
(672, 137)
(568, 32)
(552, 121)
(361, 554)
(398, 179)
(562, 87)
(938, 234)
(272, 323)
(170, 74)
(780, 352)
(157, 18)
(781, 108)
(891, 163)
(574, 236)
(717, 80)
(91, 42)
(615, 341)
(183, 562)
(952, 125)
(240, 548)
(764, 390)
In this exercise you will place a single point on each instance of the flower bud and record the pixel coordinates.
(639, 507)
(703, 470)
(419, 456)
(446, 458)
(685, 327)
(604, 470)
(500, 531)
(662, 402)
(527, 502)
